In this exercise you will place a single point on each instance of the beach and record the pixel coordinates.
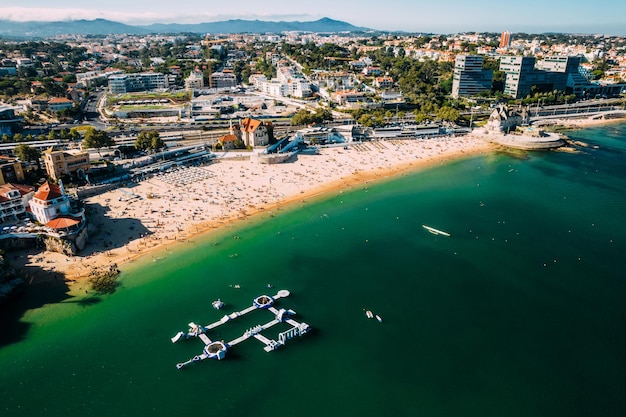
(170, 208)
(522, 299)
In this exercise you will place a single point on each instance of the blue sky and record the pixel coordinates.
(449, 16)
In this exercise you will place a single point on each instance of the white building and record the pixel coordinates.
(50, 202)
(14, 199)
(194, 81)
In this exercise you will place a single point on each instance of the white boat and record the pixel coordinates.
(369, 314)
(435, 231)
(217, 304)
(380, 320)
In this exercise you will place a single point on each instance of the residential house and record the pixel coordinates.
(372, 71)
(383, 82)
(228, 141)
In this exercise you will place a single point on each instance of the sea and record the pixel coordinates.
(521, 311)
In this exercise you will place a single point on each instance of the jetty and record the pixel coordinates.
(217, 349)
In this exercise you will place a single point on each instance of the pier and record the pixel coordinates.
(217, 349)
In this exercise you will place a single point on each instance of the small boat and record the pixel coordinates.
(218, 304)
(380, 320)
(369, 314)
(435, 231)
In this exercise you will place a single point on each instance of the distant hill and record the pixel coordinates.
(70, 27)
(106, 27)
(256, 26)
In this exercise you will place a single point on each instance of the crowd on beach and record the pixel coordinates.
(129, 222)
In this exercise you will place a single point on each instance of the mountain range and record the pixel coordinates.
(14, 29)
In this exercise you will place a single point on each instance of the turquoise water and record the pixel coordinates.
(519, 313)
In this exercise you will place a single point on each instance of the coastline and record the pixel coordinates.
(125, 230)
(149, 219)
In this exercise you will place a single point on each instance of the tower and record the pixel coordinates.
(505, 39)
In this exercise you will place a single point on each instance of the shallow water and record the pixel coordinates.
(519, 312)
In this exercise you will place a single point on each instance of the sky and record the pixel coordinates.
(433, 16)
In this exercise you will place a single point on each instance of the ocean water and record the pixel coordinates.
(520, 312)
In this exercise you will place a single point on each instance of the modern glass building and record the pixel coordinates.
(469, 76)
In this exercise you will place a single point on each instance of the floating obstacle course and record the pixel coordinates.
(217, 349)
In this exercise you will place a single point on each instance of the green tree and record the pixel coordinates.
(97, 139)
(27, 154)
(149, 140)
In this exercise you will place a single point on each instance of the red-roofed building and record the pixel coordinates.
(228, 141)
(59, 103)
(255, 132)
(50, 202)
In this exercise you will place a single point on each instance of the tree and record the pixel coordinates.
(27, 154)
(447, 113)
(149, 140)
(97, 139)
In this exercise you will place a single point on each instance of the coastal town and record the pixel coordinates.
(116, 147)
(332, 208)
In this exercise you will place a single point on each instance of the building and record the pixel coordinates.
(372, 71)
(9, 122)
(226, 79)
(469, 76)
(70, 162)
(129, 83)
(14, 199)
(255, 132)
(52, 207)
(505, 40)
(519, 75)
(383, 82)
(503, 120)
(348, 97)
(194, 81)
(524, 75)
(59, 103)
(10, 170)
(92, 78)
(228, 141)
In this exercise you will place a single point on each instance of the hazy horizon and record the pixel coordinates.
(453, 16)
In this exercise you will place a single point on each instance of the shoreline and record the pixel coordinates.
(121, 234)
(151, 218)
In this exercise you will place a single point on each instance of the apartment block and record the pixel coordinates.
(129, 83)
(469, 76)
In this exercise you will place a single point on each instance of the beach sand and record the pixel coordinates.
(137, 221)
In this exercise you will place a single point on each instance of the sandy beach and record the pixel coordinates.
(170, 208)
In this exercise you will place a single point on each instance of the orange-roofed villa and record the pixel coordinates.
(52, 207)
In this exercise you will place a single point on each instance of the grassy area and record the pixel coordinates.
(178, 97)
(139, 108)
